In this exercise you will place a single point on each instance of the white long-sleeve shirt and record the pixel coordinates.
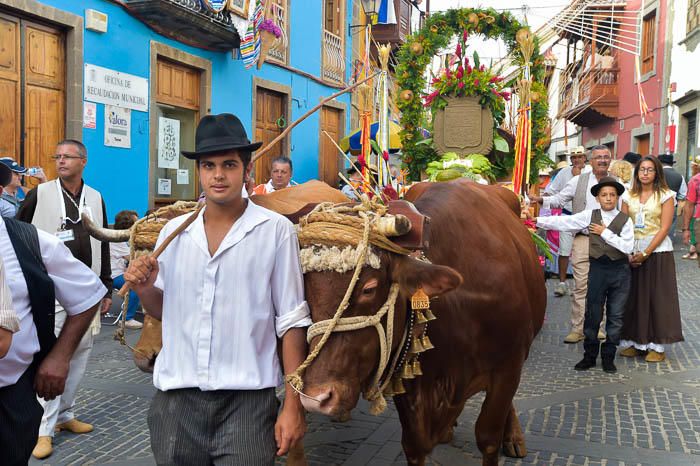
(580, 221)
(566, 195)
(77, 289)
(223, 313)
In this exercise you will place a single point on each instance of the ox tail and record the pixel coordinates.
(104, 234)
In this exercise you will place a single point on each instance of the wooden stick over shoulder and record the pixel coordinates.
(159, 250)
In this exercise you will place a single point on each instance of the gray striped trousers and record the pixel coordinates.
(227, 427)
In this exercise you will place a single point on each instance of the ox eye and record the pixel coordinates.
(370, 287)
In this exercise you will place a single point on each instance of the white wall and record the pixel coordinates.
(684, 64)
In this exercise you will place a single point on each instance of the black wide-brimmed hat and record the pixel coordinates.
(5, 175)
(216, 133)
(608, 181)
(666, 159)
(632, 157)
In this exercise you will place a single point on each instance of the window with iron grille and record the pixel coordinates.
(333, 41)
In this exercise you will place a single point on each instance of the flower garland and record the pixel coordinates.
(460, 78)
(416, 55)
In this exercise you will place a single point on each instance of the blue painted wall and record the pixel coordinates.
(122, 174)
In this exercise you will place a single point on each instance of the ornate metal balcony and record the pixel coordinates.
(187, 21)
(333, 58)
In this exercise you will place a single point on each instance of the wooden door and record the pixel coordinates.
(10, 69)
(643, 145)
(178, 94)
(328, 157)
(32, 90)
(45, 82)
(270, 119)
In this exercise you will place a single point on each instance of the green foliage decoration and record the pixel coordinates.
(412, 61)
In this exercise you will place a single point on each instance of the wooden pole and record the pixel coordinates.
(125, 289)
(286, 131)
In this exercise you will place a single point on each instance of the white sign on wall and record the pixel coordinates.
(117, 127)
(111, 87)
(89, 115)
(164, 186)
(168, 143)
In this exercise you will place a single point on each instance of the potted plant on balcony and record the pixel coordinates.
(467, 104)
(269, 33)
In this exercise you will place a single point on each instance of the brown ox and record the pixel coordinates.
(491, 306)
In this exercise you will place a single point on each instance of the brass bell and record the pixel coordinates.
(415, 366)
(429, 315)
(420, 318)
(417, 346)
(388, 391)
(426, 343)
(397, 386)
(407, 371)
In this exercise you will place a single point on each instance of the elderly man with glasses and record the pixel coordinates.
(578, 192)
(70, 197)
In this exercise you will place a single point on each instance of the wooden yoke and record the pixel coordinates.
(415, 240)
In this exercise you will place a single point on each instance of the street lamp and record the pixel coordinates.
(371, 8)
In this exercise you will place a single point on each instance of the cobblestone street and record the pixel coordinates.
(646, 414)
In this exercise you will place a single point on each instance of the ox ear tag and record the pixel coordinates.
(420, 300)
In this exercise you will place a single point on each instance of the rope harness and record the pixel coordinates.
(357, 228)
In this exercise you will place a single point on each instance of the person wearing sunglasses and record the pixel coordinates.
(71, 197)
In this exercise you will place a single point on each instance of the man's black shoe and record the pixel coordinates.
(609, 367)
(584, 364)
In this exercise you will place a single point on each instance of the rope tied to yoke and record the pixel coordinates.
(359, 226)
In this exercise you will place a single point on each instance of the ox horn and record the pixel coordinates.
(393, 225)
(104, 234)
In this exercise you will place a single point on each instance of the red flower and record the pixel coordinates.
(496, 79)
(465, 34)
(469, 69)
(476, 82)
(460, 85)
(458, 51)
(482, 68)
(460, 72)
(505, 95)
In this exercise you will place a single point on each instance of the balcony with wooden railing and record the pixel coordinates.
(589, 96)
(333, 66)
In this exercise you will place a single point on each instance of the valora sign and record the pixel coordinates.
(111, 87)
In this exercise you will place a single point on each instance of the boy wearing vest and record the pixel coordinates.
(611, 240)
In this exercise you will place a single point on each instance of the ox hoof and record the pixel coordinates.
(515, 449)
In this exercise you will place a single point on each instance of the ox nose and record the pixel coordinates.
(317, 403)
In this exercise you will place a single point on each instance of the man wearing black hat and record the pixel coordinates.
(676, 182)
(221, 322)
(611, 240)
(43, 271)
